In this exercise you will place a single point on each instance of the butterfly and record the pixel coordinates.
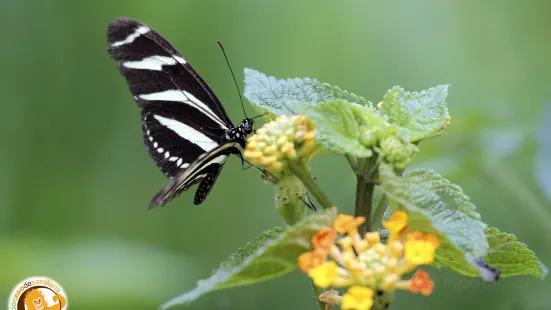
(186, 130)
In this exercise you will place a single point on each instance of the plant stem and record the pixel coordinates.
(379, 211)
(290, 197)
(317, 292)
(352, 161)
(382, 205)
(301, 171)
(364, 201)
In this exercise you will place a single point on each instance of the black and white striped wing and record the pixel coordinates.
(203, 171)
(182, 119)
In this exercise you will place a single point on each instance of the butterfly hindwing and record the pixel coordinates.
(163, 137)
(204, 171)
(183, 122)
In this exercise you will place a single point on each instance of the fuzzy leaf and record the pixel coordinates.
(270, 255)
(450, 210)
(422, 113)
(436, 205)
(267, 94)
(337, 126)
(512, 257)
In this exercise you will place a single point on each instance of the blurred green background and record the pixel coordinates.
(75, 179)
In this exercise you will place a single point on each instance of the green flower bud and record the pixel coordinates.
(397, 152)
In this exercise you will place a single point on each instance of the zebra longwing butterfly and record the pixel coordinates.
(185, 127)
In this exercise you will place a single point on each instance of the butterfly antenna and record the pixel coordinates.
(263, 114)
(233, 75)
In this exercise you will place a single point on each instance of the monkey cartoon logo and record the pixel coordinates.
(37, 293)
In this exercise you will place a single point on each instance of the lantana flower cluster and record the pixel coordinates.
(341, 257)
(280, 141)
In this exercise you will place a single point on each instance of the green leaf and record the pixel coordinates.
(509, 256)
(436, 205)
(272, 254)
(337, 126)
(512, 257)
(267, 94)
(450, 210)
(422, 113)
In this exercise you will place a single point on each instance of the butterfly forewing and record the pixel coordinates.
(152, 65)
(182, 119)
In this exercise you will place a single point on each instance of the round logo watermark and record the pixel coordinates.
(37, 293)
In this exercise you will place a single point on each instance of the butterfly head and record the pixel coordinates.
(247, 125)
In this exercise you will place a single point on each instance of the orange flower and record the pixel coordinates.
(433, 238)
(323, 239)
(397, 224)
(347, 223)
(421, 283)
(310, 260)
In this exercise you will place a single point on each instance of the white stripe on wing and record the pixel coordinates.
(182, 96)
(133, 36)
(188, 133)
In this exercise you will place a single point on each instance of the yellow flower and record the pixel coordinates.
(420, 249)
(365, 264)
(323, 275)
(357, 298)
(397, 224)
(347, 223)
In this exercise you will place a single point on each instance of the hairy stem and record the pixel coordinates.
(317, 292)
(364, 201)
(290, 197)
(301, 171)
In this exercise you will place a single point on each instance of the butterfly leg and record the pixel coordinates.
(243, 161)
